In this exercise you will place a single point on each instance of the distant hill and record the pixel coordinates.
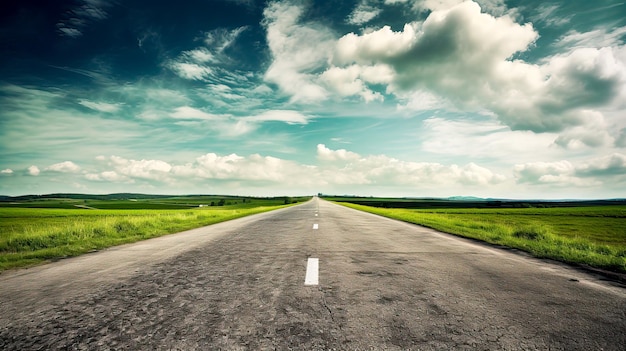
(466, 198)
(118, 196)
(115, 196)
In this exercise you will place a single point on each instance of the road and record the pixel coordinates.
(240, 285)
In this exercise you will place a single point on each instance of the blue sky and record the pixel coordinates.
(494, 98)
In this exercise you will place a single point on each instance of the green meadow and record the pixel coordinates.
(594, 236)
(34, 231)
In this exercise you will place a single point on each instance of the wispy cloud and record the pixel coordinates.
(598, 38)
(78, 18)
(100, 106)
(186, 112)
(287, 116)
(549, 14)
(364, 12)
(200, 63)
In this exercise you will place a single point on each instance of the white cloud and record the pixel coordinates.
(287, 116)
(587, 77)
(593, 172)
(186, 112)
(538, 171)
(494, 7)
(234, 168)
(335, 168)
(64, 167)
(231, 126)
(68, 131)
(350, 171)
(459, 58)
(598, 38)
(560, 173)
(190, 71)
(199, 55)
(154, 96)
(234, 128)
(351, 80)
(108, 176)
(100, 106)
(220, 39)
(593, 132)
(455, 45)
(611, 165)
(486, 139)
(326, 154)
(422, 100)
(548, 14)
(201, 63)
(351, 168)
(298, 51)
(33, 171)
(463, 57)
(124, 169)
(454, 53)
(364, 12)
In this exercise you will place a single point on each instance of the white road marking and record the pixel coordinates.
(312, 271)
(315, 226)
(316, 215)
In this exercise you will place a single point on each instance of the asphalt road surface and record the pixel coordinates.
(240, 285)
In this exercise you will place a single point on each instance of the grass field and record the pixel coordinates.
(141, 202)
(595, 236)
(30, 235)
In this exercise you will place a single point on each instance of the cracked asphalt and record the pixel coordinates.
(239, 285)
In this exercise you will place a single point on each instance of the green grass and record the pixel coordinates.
(594, 236)
(129, 202)
(30, 236)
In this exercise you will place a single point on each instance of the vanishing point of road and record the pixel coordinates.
(371, 284)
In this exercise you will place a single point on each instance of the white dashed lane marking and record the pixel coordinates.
(312, 271)
(315, 226)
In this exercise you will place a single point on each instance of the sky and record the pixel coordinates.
(416, 98)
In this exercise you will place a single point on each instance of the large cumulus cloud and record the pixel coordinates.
(461, 57)
(468, 57)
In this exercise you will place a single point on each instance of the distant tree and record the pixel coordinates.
(221, 202)
(212, 203)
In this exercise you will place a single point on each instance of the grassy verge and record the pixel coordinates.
(31, 236)
(594, 236)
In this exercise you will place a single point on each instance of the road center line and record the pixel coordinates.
(312, 271)
(315, 226)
